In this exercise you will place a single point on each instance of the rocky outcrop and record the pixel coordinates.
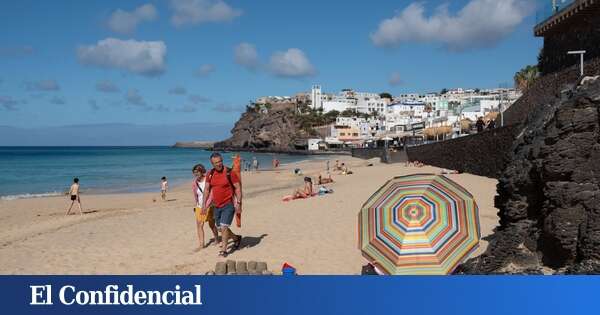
(273, 130)
(549, 193)
(194, 144)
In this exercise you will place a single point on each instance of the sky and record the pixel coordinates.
(168, 64)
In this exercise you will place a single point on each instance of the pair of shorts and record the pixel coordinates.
(73, 197)
(224, 215)
(206, 217)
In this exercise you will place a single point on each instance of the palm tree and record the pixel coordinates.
(525, 77)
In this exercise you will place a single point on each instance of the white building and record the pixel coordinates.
(313, 144)
(316, 97)
(408, 108)
(370, 103)
(348, 99)
(339, 103)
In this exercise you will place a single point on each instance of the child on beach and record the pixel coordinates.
(74, 195)
(198, 188)
(164, 185)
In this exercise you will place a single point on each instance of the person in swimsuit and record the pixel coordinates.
(74, 195)
(305, 192)
(325, 180)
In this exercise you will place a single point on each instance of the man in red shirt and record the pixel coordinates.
(226, 191)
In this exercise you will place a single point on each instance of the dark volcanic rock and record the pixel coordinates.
(272, 130)
(549, 193)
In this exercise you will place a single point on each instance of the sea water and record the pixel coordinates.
(28, 172)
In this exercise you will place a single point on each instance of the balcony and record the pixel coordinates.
(547, 17)
(546, 11)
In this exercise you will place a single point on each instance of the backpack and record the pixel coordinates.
(227, 172)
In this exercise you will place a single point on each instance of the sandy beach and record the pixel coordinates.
(131, 234)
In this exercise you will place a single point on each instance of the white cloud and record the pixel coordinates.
(190, 12)
(106, 87)
(246, 55)
(162, 108)
(178, 90)
(58, 100)
(228, 108)
(133, 97)
(43, 85)
(197, 99)
(291, 63)
(395, 79)
(205, 70)
(480, 23)
(124, 22)
(8, 103)
(140, 57)
(188, 109)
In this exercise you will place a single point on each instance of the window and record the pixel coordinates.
(342, 133)
(355, 134)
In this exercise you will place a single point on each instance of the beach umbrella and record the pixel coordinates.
(422, 224)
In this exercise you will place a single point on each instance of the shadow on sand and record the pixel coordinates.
(251, 241)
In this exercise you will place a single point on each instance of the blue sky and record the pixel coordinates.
(193, 61)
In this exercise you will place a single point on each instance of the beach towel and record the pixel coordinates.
(291, 197)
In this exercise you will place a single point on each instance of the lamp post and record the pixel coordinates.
(500, 108)
(580, 53)
(460, 121)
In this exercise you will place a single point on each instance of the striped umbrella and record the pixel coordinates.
(422, 224)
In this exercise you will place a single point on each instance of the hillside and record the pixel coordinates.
(265, 129)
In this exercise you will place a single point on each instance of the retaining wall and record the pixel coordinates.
(481, 154)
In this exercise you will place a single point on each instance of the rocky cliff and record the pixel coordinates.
(549, 193)
(270, 130)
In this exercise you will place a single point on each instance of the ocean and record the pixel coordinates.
(29, 172)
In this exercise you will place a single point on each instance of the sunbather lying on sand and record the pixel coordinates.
(414, 163)
(326, 180)
(345, 170)
(447, 171)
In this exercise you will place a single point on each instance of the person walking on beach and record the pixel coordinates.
(224, 187)
(255, 163)
(479, 124)
(202, 216)
(164, 185)
(74, 195)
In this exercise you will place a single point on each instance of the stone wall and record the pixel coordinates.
(481, 154)
(363, 153)
(549, 193)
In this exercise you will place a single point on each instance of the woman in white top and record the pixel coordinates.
(202, 216)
